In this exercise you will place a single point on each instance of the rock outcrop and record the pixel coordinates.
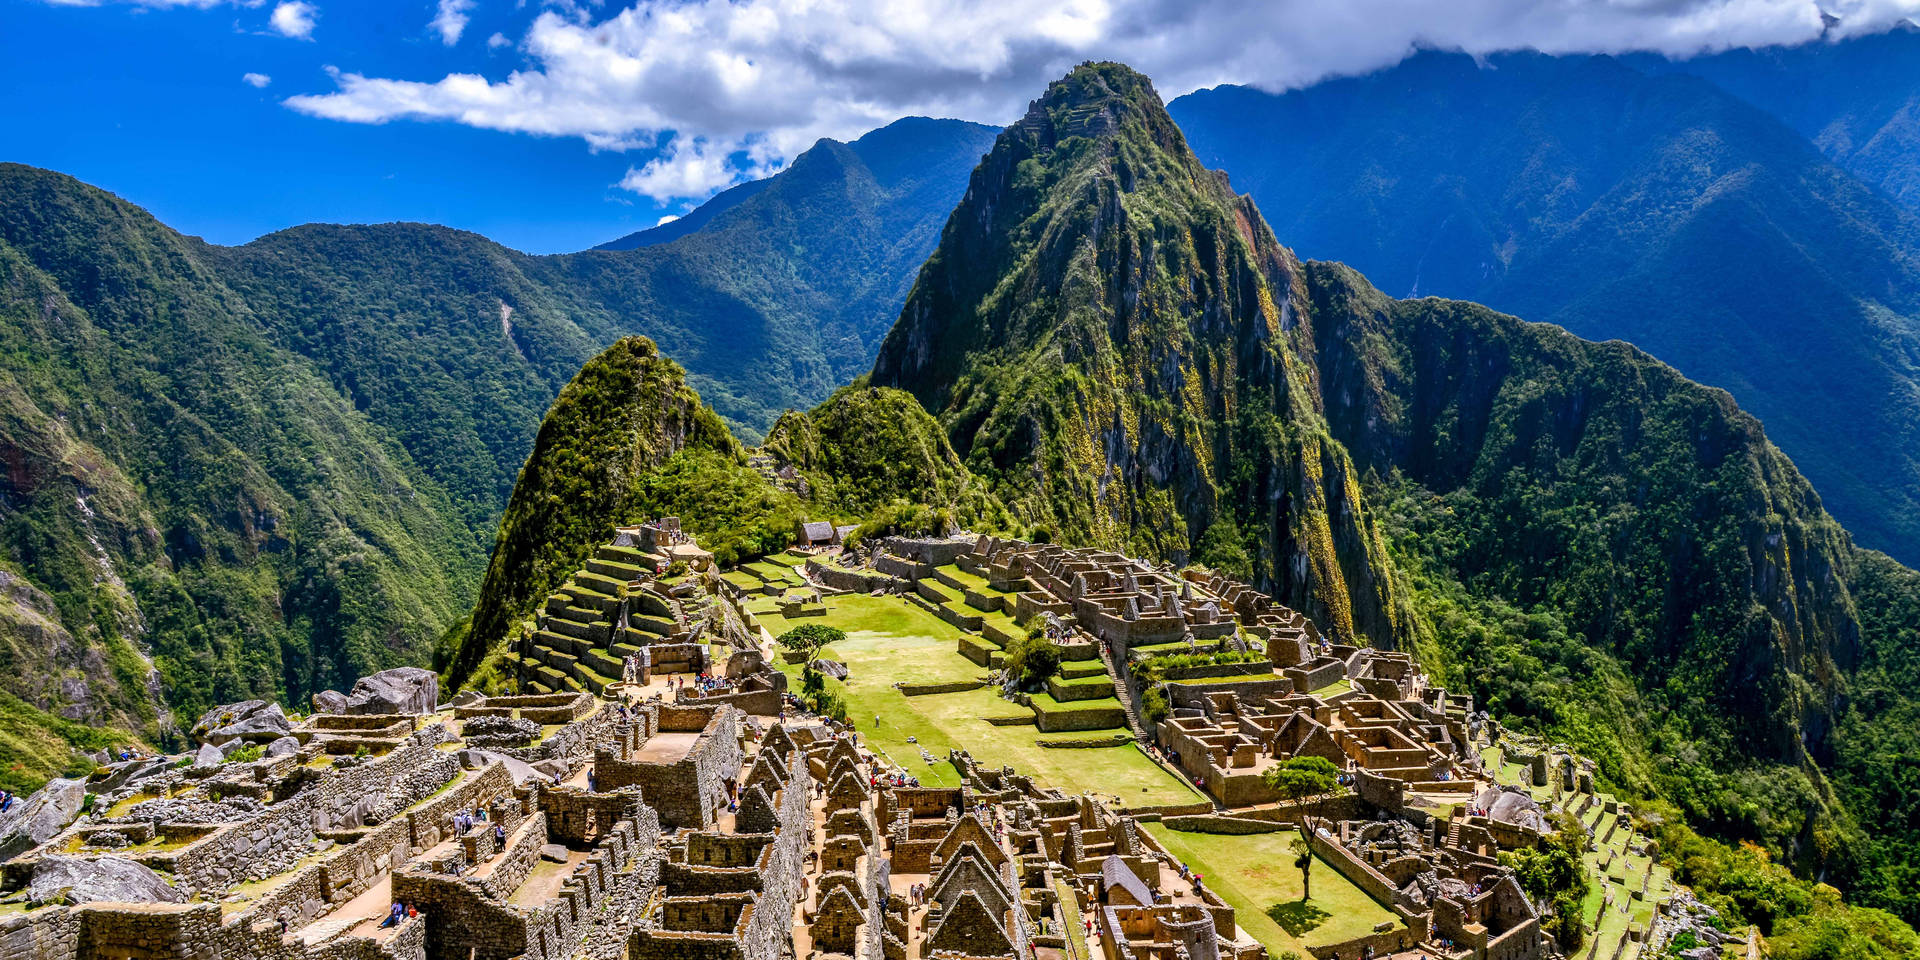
(402, 690)
(77, 880)
(37, 819)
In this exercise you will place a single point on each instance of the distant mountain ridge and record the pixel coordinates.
(1654, 208)
(278, 466)
(1570, 531)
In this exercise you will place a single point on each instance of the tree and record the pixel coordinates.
(1032, 660)
(809, 640)
(1554, 872)
(1297, 778)
(1224, 549)
(1303, 859)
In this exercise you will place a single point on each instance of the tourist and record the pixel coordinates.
(412, 911)
(593, 782)
(499, 835)
(395, 915)
(6, 800)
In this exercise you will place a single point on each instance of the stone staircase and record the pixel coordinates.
(1123, 691)
(577, 644)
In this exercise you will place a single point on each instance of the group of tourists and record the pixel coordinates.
(399, 912)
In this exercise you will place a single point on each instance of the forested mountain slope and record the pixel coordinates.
(1587, 541)
(178, 482)
(1656, 209)
(279, 466)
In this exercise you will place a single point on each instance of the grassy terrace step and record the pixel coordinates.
(575, 614)
(657, 626)
(616, 569)
(942, 594)
(772, 572)
(1080, 669)
(623, 650)
(743, 579)
(558, 643)
(619, 554)
(601, 663)
(969, 581)
(595, 682)
(786, 559)
(589, 598)
(605, 586)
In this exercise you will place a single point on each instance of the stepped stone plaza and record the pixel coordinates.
(652, 788)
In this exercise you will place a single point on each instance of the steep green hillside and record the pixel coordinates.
(1591, 544)
(627, 412)
(867, 447)
(179, 486)
(628, 440)
(1857, 99)
(274, 467)
(1110, 337)
(1657, 209)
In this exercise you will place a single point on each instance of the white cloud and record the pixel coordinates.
(294, 18)
(497, 41)
(669, 218)
(155, 4)
(451, 20)
(736, 87)
(256, 79)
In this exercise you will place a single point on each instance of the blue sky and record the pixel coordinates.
(553, 125)
(151, 104)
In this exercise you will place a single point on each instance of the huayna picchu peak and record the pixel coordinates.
(1157, 594)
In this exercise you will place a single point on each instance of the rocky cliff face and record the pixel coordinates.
(1113, 340)
(1571, 531)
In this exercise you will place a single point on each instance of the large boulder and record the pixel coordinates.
(59, 879)
(128, 772)
(520, 770)
(402, 690)
(329, 701)
(37, 819)
(225, 715)
(283, 747)
(263, 726)
(207, 760)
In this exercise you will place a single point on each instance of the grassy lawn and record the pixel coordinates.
(890, 639)
(1255, 875)
(971, 581)
(1333, 689)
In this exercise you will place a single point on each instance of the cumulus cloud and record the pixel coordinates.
(294, 18)
(155, 4)
(497, 41)
(256, 79)
(450, 21)
(734, 88)
(669, 218)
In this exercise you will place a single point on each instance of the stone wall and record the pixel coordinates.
(187, 931)
(254, 849)
(689, 791)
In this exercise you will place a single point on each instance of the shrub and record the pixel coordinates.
(1032, 661)
(246, 754)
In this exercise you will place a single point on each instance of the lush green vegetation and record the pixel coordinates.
(597, 464)
(36, 746)
(1596, 548)
(1032, 659)
(1256, 875)
(1554, 873)
(279, 466)
(182, 483)
(1620, 201)
(1106, 333)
